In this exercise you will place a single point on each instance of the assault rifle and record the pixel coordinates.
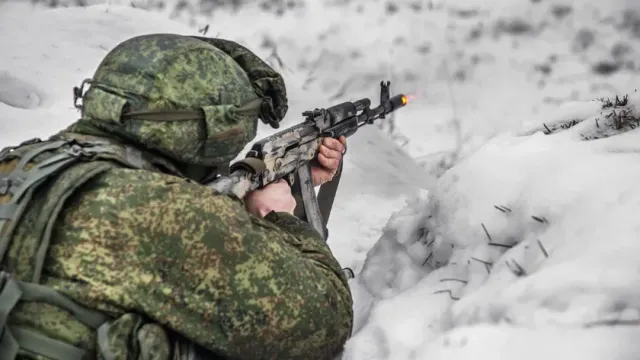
(288, 155)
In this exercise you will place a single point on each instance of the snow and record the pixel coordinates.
(40, 65)
(492, 218)
(528, 236)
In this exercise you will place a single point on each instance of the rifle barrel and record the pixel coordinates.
(398, 101)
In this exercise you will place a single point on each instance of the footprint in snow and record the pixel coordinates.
(18, 93)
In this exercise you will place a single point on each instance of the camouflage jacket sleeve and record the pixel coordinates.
(199, 264)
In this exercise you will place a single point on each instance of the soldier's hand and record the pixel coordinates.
(273, 197)
(329, 157)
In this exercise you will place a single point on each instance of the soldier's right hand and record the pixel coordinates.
(273, 197)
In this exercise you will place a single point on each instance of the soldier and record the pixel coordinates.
(112, 249)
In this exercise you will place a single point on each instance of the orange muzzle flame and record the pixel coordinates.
(407, 98)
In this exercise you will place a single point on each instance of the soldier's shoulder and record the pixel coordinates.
(132, 184)
(125, 191)
(117, 177)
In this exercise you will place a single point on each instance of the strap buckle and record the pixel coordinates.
(78, 92)
(6, 183)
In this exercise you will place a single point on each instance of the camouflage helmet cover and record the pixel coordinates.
(195, 100)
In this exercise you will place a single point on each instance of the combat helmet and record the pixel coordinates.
(194, 100)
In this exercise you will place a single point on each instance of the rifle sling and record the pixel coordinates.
(327, 195)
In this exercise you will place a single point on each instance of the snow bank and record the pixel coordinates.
(527, 248)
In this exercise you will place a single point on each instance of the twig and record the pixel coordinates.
(427, 259)
(624, 101)
(539, 219)
(519, 271)
(501, 245)
(204, 30)
(544, 251)
(487, 264)
(486, 232)
(447, 291)
(454, 279)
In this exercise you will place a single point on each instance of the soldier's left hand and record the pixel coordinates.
(329, 157)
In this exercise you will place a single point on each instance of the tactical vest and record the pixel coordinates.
(36, 178)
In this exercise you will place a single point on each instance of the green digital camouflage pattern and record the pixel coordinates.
(267, 83)
(173, 73)
(199, 264)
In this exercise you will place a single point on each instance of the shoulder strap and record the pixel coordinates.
(20, 185)
(316, 210)
(14, 338)
(21, 182)
(327, 195)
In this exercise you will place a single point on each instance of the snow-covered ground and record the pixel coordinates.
(526, 248)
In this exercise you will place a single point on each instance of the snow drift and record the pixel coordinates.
(527, 248)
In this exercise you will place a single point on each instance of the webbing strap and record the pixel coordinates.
(21, 184)
(42, 345)
(4, 152)
(5, 233)
(15, 338)
(104, 348)
(10, 294)
(8, 344)
(7, 211)
(43, 293)
(327, 194)
(251, 108)
(39, 150)
(21, 181)
(41, 253)
(165, 115)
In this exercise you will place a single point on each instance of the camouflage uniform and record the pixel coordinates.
(114, 249)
